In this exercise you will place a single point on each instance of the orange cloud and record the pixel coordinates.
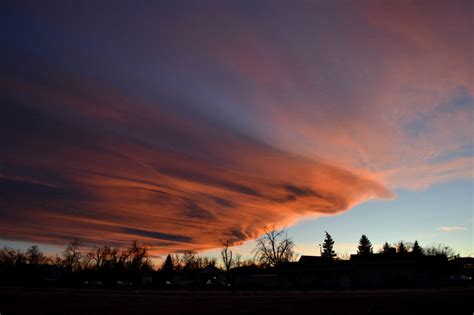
(97, 183)
(295, 116)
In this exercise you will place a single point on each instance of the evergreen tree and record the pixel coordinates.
(401, 248)
(168, 264)
(168, 269)
(387, 249)
(365, 246)
(417, 250)
(328, 244)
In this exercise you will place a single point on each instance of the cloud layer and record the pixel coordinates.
(452, 229)
(191, 126)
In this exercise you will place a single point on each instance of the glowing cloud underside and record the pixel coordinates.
(124, 178)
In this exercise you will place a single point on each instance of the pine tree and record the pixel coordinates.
(365, 246)
(387, 249)
(401, 248)
(328, 244)
(168, 264)
(417, 250)
(167, 268)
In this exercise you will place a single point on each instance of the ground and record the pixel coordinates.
(87, 301)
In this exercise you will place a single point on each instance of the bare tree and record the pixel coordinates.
(204, 261)
(274, 247)
(138, 255)
(102, 257)
(238, 260)
(190, 261)
(10, 257)
(72, 257)
(34, 255)
(441, 249)
(178, 262)
(226, 254)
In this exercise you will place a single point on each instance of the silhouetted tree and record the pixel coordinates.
(178, 262)
(10, 257)
(121, 258)
(72, 257)
(167, 268)
(441, 249)
(274, 247)
(328, 245)
(226, 255)
(102, 257)
(365, 246)
(401, 248)
(208, 261)
(138, 256)
(238, 260)
(387, 249)
(416, 249)
(34, 255)
(190, 261)
(168, 264)
(97, 257)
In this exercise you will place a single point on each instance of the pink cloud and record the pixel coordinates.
(304, 120)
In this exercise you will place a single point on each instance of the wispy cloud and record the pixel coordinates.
(451, 229)
(177, 183)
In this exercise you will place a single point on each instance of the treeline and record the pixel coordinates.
(275, 247)
(75, 265)
(132, 265)
(73, 259)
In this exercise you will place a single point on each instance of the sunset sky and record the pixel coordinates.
(184, 123)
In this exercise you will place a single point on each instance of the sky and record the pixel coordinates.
(183, 124)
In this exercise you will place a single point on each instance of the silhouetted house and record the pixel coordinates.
(372, 271)
(41, 274)
(51, 274)
(147, 279)
(183, 280)
(316, 272)
(253, 277)
(461, 271)
(211, 276)
(395, 271)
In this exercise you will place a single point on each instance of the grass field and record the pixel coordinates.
(87, 301)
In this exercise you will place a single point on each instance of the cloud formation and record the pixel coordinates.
(108, 168)
(168, 132)
(452, 229)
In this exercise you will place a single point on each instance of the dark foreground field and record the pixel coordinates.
(86, 301)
